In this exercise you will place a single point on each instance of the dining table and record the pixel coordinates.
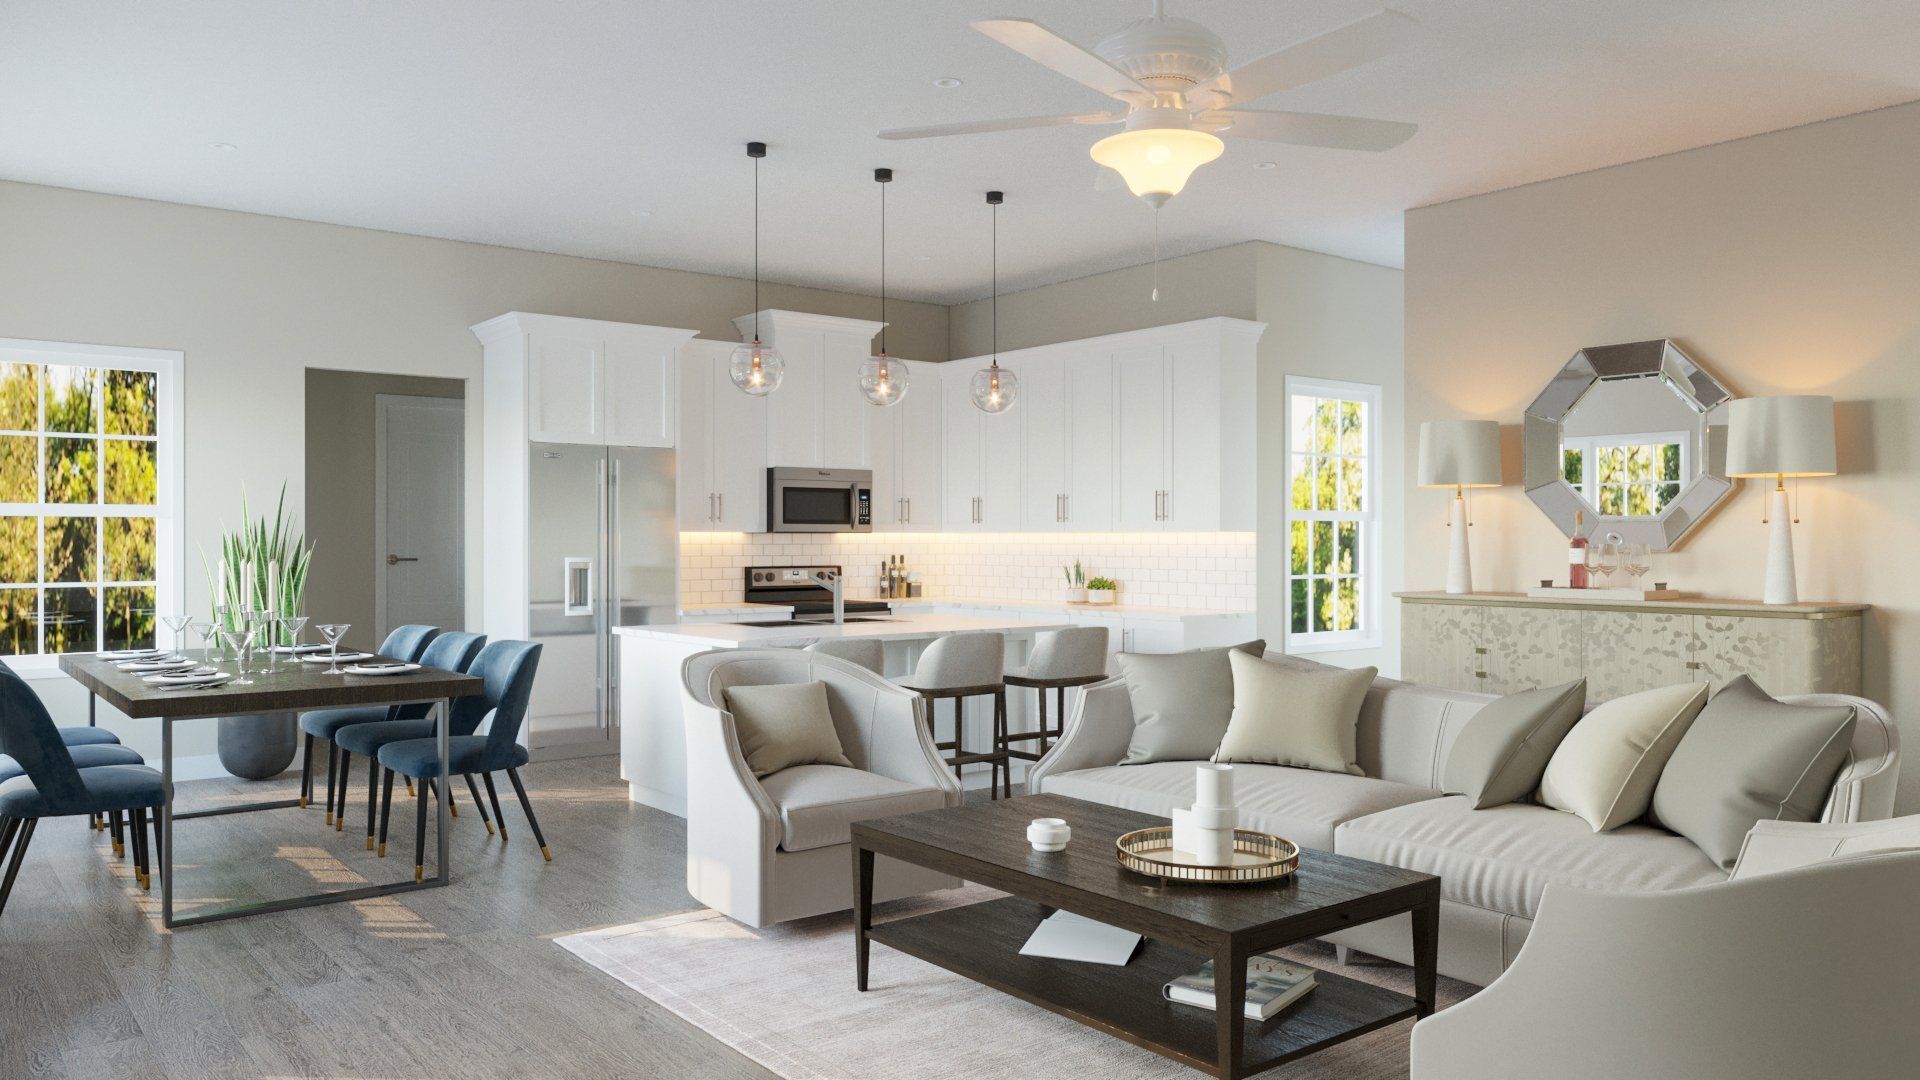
(289, 686)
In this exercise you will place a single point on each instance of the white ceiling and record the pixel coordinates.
(549, 125)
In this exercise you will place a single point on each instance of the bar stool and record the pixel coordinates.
(869, 654)
(1060, 659)
(961, 666)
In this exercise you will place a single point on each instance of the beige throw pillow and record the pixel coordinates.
(1606, 768)
(1181, 702)
(1285, 714)
(784, 724)
(1503, 749)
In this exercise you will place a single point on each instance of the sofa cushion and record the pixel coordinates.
(819, 803)
(1606, 767)
(1289, 715)
(1503, 857)
(1181, 702)
(1406, 730)
(785, 724)
(1502, 751)
(1299, 804)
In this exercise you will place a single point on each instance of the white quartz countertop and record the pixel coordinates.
(1131, 611)
(903, 627)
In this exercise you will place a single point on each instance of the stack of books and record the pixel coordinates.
(1272, 985)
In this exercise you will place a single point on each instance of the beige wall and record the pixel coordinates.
(340, 488)
(1326, 317)
(254, 301)
(1785, 263)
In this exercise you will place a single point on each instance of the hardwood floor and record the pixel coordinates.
(462, 981)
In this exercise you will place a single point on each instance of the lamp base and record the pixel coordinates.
(1781, 588)
(1459, 564)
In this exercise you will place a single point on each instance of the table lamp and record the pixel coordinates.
(1459, 454)
(1780, 437)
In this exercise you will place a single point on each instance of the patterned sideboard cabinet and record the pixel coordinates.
(1503, 642)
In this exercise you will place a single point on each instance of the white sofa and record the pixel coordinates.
(1493, 864)
(766, 850)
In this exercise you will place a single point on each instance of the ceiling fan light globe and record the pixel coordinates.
(1156, 162)
(884, 379)
(756, 369)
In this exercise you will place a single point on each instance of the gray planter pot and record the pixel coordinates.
(258, 746)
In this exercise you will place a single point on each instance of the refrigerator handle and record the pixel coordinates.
(610, 671)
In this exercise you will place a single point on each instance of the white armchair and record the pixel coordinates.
(1800, 967)
(771, 849)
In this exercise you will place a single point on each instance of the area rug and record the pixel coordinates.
(784, 997)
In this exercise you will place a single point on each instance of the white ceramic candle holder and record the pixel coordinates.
(1049, 834)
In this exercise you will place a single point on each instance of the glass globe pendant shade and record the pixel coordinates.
(994, 389)
(883, 379)
(1157, 161)
(756, 369)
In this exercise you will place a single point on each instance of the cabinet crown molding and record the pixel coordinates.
(501, 327)
(774, 320)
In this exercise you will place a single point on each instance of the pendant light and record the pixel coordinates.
(883, 378)
(756, 369)
(994, 387)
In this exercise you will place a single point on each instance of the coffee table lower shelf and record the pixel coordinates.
(982, 942)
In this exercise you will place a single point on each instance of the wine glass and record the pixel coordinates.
(1591, 558)
(239, 639)
(1609, 559)
(177, 625)
(333, 632)
(1638, 560)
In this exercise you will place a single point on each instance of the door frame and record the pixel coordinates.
(382, 403)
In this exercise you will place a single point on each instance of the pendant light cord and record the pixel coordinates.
(996, 284)
(883, 269)
(756, 250)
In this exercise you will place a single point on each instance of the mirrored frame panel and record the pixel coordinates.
(1660, 488)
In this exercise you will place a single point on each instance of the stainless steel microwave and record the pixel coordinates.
(819, 500)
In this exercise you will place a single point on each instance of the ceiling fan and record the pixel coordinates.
(1171, 74)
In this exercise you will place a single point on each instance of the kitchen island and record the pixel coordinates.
(653, 749)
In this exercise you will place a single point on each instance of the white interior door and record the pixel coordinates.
(419, 568)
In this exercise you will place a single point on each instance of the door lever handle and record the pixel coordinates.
(395, 559)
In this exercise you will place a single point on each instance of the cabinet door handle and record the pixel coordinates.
(1166, 500)
(711, 514)
(720, 499)
(909, 510)
(1066, 508)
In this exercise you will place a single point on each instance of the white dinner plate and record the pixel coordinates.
(327, 658)
(170, 663)
(182, 678)
(307, 648)
(382, 669)
(131, 654)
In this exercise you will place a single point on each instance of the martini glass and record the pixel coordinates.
(222, 618)
(266, 629)
(177, 624)
(291, 626)
(333, 632)
(239, 640)
(204, 630)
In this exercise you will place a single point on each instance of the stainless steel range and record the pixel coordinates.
(800, 588)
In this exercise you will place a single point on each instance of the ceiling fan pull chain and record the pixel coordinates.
(1155, 298)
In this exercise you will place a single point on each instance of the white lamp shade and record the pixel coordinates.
(1780, 436)
(1462, 453)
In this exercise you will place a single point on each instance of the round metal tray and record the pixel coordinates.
(1257, 857)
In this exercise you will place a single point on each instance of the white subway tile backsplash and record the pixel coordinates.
(1198, 570)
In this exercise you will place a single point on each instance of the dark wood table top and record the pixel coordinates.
(987, 843)
(293, 687)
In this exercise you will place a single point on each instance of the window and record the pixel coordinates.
(1627, 475)
(88, 484)
(1332, 446)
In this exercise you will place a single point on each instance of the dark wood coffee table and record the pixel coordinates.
(988, 844)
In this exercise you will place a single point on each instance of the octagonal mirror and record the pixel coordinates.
(1628, 439)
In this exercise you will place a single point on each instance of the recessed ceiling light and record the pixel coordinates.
(923, 258)
(224, 147)
(643, 213)
(946, 83)
(1264, 164)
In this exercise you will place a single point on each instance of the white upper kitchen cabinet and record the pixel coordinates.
(723, 445)
(1066, 408)
(586, 380)
(904, 442)
(983, 458)
(818, 418)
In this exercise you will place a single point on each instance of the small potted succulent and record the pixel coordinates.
(1100, 590)
(1076, 583)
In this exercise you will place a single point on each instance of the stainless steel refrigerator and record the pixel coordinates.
(603, 550)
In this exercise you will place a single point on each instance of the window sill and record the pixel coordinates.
(1303, 648)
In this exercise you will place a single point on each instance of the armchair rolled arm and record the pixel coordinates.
(724, 799)
(897, 743)
(1097, 732)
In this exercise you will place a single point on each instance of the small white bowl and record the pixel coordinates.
(1049, 834)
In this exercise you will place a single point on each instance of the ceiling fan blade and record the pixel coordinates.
(1309, 129)
(1349, 46)
(1044, 47)
(1010, 124)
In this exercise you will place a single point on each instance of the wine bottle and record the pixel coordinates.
(1577, 554)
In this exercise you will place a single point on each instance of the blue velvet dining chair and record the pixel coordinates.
(88, 756)
(449, 652)
(405, 643)
(507, 668)
(53, 786)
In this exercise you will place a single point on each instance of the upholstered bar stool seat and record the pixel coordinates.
(871, 655)
(1060, 660)
(961, 666)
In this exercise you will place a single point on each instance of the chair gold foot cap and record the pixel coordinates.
(419, 872)
(547, 853)
(369, 843)
(452, 810)
(489, 828)
(329, 817)
(383, 851)
(303, 802)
